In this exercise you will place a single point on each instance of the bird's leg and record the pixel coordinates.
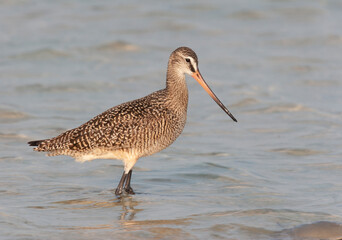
(118, 190)
(128, 187)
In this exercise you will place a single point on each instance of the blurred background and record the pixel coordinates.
(276, 64)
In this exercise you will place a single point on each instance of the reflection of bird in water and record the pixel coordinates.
(137, 128)
(128, 205)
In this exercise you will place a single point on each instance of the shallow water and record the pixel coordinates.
(275, 64)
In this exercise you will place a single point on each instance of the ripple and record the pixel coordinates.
(306, 41)
(41, 54)
(327, 166)
(69, 87)
(270, 212)
(297, 151)
(180, 221)
(216, 165)
(209, 176)
(314, 231)
(289, 42)
(9, 116)
(299, 13)
(245, 102)
(321, 83)
(13, 136)
(84, 203)
(268, 130)
(334, 40)
(248, 15)
(10, 158)
(282, 108)
(208, 154)
(95, 227)
(165, 180)
(294, 59)
(9, 193)
(118, 46)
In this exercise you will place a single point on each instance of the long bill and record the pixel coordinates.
(197, 75)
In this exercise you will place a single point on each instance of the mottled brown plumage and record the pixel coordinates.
(137, 128)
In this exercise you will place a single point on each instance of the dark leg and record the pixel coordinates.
(118, 190)
(128, 187)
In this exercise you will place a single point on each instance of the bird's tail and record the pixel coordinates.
(35, 143)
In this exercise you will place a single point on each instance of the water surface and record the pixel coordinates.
(275, 64)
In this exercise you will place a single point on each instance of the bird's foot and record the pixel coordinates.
(118, 191)
(129, 190)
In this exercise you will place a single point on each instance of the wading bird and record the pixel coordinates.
(137, 128)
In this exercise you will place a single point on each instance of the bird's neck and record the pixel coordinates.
(176, 87)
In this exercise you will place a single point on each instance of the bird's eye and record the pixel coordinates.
(187, 59)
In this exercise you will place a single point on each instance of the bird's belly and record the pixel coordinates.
(105, 154)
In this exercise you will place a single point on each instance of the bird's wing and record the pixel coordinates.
(114, 128)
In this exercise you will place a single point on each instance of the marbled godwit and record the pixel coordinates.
(137, 128)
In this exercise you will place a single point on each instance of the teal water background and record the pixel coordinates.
(275, 64)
